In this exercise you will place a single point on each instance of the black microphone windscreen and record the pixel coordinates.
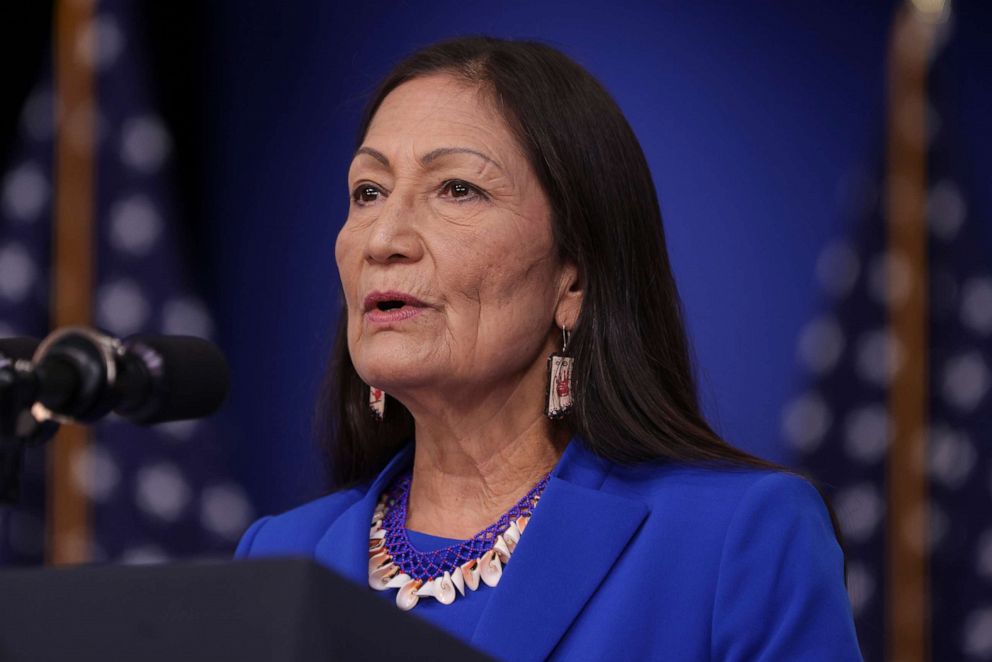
(18, 347)
(188, 377)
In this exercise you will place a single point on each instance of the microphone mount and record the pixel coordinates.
(19, 426)
(80, 375)
(76, 374)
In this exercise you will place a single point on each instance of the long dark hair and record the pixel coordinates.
(635, 391)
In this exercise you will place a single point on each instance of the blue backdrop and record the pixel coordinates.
(756, 122)
(753, 120)
(766, 132)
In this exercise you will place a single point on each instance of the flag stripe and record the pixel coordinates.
(72, 265)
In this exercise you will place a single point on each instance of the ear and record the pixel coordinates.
(570, 293)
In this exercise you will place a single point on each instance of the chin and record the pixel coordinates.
(391, 372)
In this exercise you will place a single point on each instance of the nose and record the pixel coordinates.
(393, 236)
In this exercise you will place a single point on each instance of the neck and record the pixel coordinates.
(472, 465)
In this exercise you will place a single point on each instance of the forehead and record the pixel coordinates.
(439, 108)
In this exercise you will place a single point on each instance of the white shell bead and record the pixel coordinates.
(378, 560)
(406, 597)
(375, 546)
(427, 590)
(470, 572)
(377, 534)
(444, 589)
(502, 551)
(458, 579)
(398, 580)
(380, 577)
(522, 522)
(490, 568)
(511, 535)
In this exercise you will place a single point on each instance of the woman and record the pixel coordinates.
(519, 453)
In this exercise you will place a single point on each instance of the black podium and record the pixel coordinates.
(278, 609)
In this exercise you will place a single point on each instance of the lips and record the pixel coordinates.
(391, 306)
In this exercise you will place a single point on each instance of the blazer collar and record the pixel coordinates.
(343, 547)
(573, 539)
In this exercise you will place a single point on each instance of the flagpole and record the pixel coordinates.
(72, 259)
(908, 579)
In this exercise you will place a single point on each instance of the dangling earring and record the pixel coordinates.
(377, 403)
(559, 397)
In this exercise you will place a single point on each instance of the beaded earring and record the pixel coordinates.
(377, 403)
(558, 401)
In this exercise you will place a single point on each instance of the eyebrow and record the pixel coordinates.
(430, 156)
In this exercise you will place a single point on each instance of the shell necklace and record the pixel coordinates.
(395, 563)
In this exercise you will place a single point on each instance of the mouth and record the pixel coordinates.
(387, 307)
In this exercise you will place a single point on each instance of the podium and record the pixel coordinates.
(269, 609)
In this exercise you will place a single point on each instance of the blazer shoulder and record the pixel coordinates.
(296, 531)
(780, 592)
(706, 500)
(762, 546)
(724, 485)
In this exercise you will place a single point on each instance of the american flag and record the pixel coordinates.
(155, 493)
(840, 425)
(25, 248)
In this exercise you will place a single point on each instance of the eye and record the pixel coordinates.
(461, 191)
(365, 194)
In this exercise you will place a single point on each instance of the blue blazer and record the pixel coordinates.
(655, 562)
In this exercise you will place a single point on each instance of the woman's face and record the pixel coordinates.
(450, 273)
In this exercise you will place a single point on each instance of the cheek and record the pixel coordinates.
(342, 246)
(505, 287)
(519, 263)
(340, 253)
(492, 268)
(518, 281)
(345, 248)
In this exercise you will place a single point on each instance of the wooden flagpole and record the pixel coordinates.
(72, 259)
(908, 577)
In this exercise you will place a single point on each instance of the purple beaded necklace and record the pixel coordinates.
(395, 563)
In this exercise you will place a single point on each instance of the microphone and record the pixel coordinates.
(17, 387)
(82, 375)
(17, 348)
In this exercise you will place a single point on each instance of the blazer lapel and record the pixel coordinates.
(336, 548)
(573, 539)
